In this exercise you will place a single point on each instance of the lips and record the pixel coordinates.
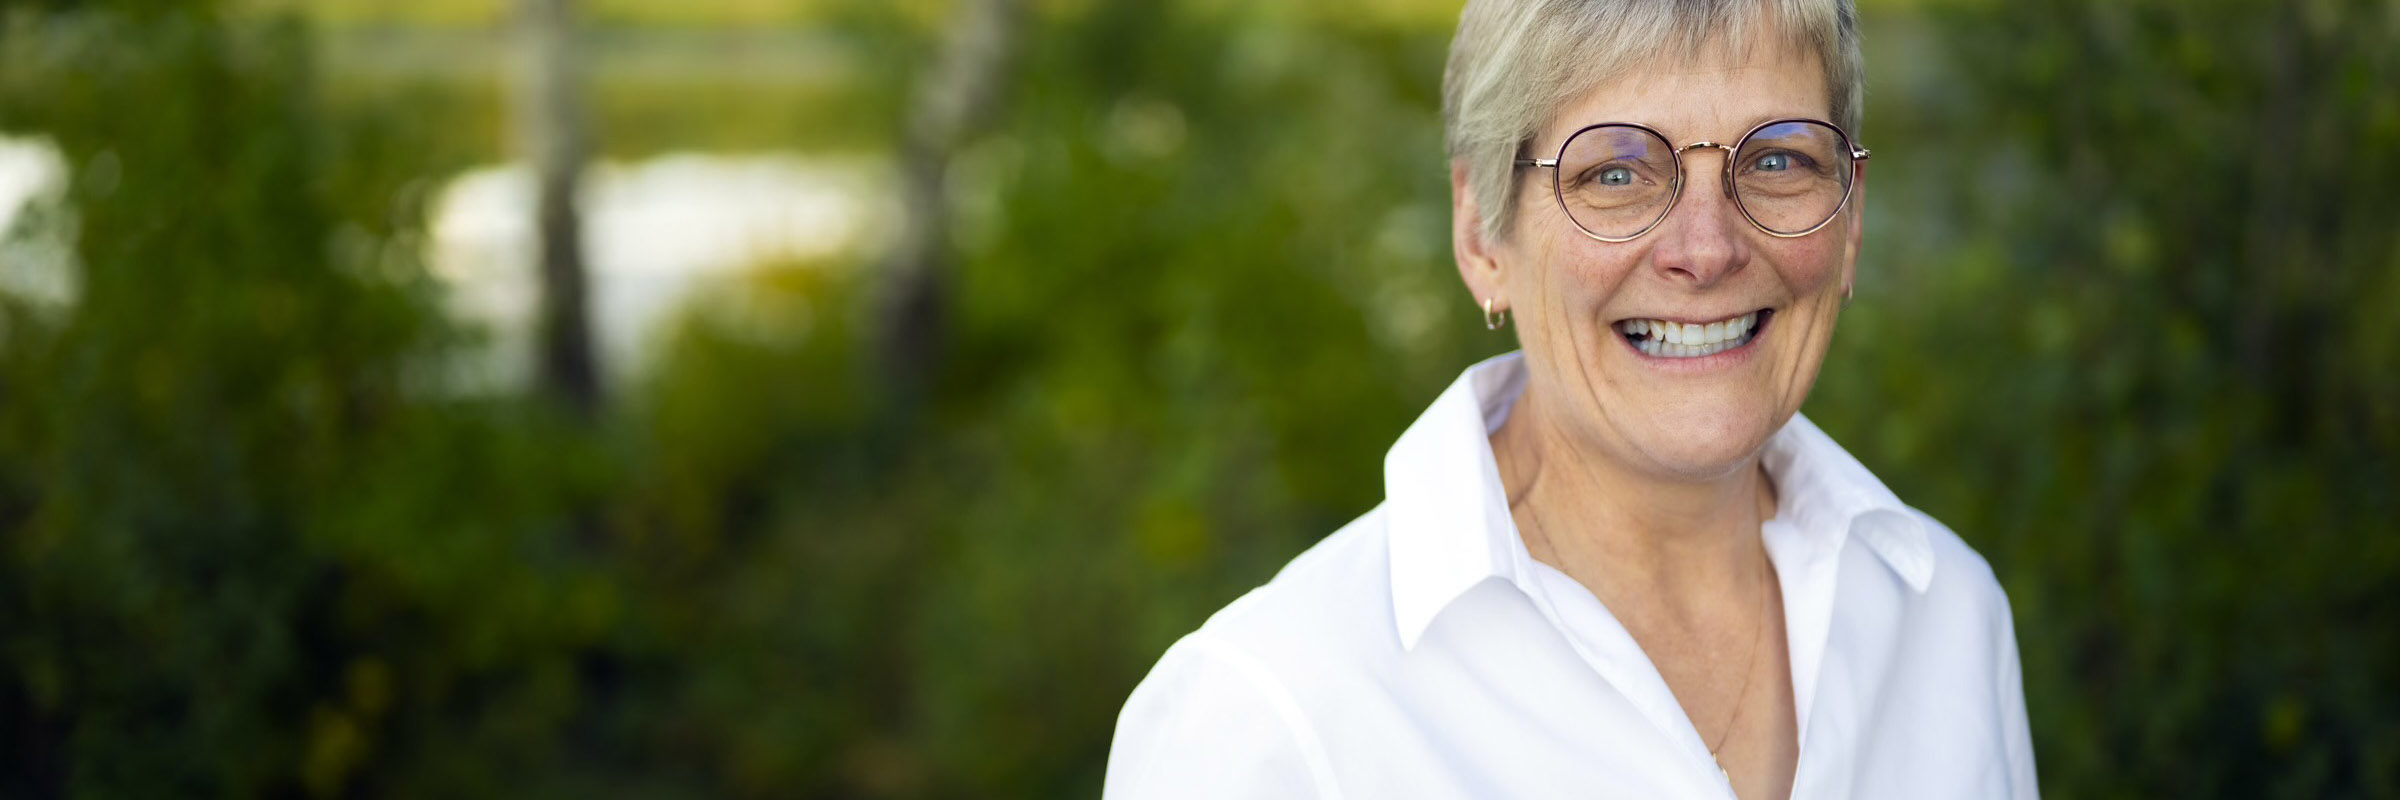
(1667, 339)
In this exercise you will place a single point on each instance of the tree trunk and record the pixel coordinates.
(549, 120)
(954, 99)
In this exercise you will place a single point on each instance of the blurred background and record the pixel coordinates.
(851, 398)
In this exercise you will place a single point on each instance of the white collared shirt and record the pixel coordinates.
(1421, 652)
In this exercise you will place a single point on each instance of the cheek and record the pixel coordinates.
(1810, 265)
(1558, 286)
(1578, 274)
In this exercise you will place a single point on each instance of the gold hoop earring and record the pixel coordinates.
(1492, 320)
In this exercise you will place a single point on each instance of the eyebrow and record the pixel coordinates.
(1672, 137)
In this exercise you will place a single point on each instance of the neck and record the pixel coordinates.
(1603, 520)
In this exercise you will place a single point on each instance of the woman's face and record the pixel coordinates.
(1575, 298)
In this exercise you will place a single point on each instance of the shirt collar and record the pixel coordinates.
(1449, 525)
(1825, 493)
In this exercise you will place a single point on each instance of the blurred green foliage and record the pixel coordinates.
(2118, 326)
(2147, 375)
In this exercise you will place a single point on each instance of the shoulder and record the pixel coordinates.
(1211, 721)
(1964, 609)
(1227, 709)
(1968, 639)
(1961, 575)
(1325, 620)
(1337, 585)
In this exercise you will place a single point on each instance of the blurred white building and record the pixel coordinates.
(655, 231)
(37, 230)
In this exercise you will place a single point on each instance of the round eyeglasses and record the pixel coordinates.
(1618, 180)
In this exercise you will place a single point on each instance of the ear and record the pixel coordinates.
(1858, 230)
(1478, 262)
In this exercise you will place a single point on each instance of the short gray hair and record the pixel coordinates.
(1515, 63)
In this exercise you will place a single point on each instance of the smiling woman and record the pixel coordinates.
(1620, 561)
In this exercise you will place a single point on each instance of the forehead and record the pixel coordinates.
(1716, 94)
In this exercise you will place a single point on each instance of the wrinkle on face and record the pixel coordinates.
(1704, 255)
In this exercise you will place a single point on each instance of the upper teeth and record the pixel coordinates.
(1680, 340)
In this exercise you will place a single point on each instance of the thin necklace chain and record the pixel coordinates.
(1749, 662)
(1758, 630)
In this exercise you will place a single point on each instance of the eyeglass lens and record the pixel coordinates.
(1617, 181)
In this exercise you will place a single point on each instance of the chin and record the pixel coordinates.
(1706, 449)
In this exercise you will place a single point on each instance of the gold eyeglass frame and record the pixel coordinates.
(1675, 192)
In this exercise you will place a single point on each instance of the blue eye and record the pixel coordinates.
(1616, 176)
(1773, 162)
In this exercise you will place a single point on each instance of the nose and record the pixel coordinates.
(1702, 239)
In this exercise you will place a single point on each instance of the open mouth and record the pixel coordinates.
(1659, 338)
